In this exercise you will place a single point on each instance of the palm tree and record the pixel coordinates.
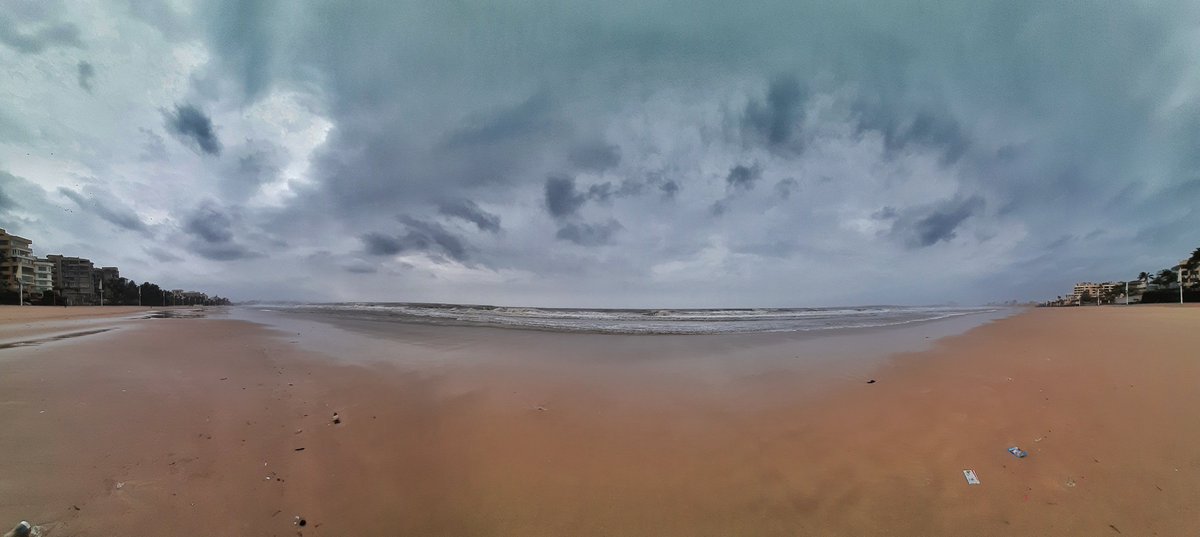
(1143, 276)
(1164, 277)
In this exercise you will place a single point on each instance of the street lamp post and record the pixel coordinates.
(1180, 278)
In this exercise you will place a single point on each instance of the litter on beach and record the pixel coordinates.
(972, 479)
(1018, 452)
(24, 529)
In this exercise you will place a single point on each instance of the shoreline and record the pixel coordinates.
(535, 433)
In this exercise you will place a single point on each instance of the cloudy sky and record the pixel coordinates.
(644, 153)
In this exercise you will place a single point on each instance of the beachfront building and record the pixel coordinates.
(16, 264)
(103, 279)
(73, 279)
(43, 276)
(1095, 291)
(1188, 277)
(193, 297)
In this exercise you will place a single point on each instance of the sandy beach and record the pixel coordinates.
(215, 425)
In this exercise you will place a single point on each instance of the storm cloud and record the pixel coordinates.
(585, 234)
(418, 236)
(104, 205)
(561, 197)
(84, 75)
(577, 156)
(775, 120)
(743, 177)
(595, 156)
(193, 127)
(210, 224)
(927, 226)
(469, 211)
(39, 38)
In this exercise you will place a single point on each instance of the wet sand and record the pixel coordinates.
(173, 427)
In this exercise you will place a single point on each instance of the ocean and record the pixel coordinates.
(637, 321)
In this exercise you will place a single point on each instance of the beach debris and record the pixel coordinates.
(24, 529)
(872, 381)
(1039, 439)
(1070, 482)
(1114, 528)
(299, 521)
(336, 420)
(1018, 452)
(298, 449)
(120, 485)
(541, 408)
(972, 479)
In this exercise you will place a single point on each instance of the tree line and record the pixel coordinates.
(121, 292)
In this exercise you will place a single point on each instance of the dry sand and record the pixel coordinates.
(173, 427)
(25, 314)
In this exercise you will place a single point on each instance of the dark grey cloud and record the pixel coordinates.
(775, 121)
(359, 266)
(243, 33)
(107, 207)
(562, 199)
(785, 187)
(901, 130)
(426, 235)
(7, 201)
(35, 40)
(719, 207)
(24, 202)
(85, 73)
(161, 15)
(224, 251)
(257, 163)
(742, 177)
(210, 223)
(469, 211)
(212, 229)
(585, 234)
(669, 189)
(419, 236)
(154, 148)
(1059, 116)
(605, 192)
(532, 118)
(194, 128)
(161, 254)
(925, 226)
(380, 244)
(595, 156)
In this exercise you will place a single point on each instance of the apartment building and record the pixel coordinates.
(43, 276)
(1189, 278)
(1093, 290)
(104, 278)
(74, 280)
(17, 270)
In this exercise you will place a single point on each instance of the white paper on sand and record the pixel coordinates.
(972, 479)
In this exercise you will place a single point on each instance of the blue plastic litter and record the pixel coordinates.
(1018, 452)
